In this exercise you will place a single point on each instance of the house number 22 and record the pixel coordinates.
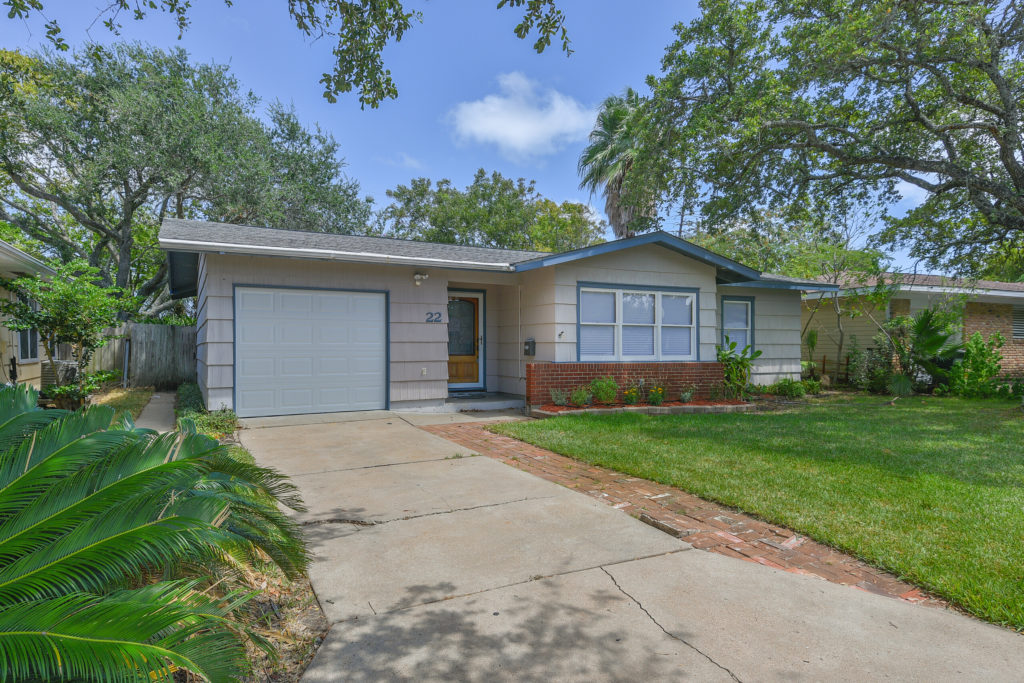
(433, 316)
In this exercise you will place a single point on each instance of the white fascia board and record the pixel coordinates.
(326, 254)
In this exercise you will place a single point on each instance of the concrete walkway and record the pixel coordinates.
(433, 565)
(158, 413)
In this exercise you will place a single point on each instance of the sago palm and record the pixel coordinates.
(99, 522)
(608, 158)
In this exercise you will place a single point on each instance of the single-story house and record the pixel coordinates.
(989, 306)
(20, 352)
(298, 322)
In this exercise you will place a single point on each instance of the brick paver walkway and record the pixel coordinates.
(705, 525)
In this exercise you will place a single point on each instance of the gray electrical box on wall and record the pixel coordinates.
(530, 347)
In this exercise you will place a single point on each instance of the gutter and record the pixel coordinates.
(326, 254)
(30, 262)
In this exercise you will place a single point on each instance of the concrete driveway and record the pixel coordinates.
(435, 565)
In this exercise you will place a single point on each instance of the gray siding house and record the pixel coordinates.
(296, 322)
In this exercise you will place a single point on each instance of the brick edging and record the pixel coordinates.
(705, 525)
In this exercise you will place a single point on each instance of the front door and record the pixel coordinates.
(465, 340)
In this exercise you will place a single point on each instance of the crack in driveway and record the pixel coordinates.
(666, 631)
(365, 522)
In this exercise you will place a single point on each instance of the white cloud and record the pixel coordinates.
(402, 160)
(523, 119)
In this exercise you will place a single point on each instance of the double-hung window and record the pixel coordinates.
(28, 343)
(738, 321)
(625, 324)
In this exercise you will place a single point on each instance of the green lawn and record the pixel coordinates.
(931, 489)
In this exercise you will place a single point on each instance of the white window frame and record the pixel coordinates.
(657, 325)
(1017, 322)
(749, 329)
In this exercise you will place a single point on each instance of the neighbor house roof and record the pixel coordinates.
(184, 240)
(923, 282)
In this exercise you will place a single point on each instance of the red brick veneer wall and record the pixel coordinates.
(541, 378)
(988, 318)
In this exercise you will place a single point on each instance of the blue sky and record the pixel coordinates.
(471, 94)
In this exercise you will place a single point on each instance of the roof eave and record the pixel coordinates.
(661, 239)
(197, 246)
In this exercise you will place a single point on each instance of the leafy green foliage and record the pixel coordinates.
(215, 423)
(976, 374)
(580, 396)
(559, 397)
(736, 367)
(923, 346)
(790, 388)
(656, 393)
(686, 392)
(493, 211)
(100, 525)
(604, 389)
(72, 307)
(608, 158)
(871, 368)
(632, 394)
(186, 141)
(773, 105)
(361, 29)
(812, 386)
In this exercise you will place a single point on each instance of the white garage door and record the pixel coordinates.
(309, 351)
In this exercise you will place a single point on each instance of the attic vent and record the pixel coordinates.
(1018, 322)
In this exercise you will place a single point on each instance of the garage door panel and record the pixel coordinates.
(305, 351)
(296, 333)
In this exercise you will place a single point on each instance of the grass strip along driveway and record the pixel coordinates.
(930, 489)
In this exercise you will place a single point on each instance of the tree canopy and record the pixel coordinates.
(493, 211)
(361, 29)
(774, 104)
(96, 148)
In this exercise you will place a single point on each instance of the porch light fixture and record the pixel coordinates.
(418, 278)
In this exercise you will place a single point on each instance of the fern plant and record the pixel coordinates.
(105, 534)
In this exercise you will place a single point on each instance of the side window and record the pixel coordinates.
(28, 344)
(737, 324)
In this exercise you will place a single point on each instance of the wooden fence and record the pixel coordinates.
(163, 356)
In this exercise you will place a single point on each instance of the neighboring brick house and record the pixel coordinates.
(991, 307)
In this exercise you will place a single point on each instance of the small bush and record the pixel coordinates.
(975, 375)
(604, 389)
(686, 392)
(656, 394)
(787, 387)
(559, 397)
(812, 386)
(580, 396)
(631, 395)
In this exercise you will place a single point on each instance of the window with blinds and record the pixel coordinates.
(1018, 322)
(623, 324)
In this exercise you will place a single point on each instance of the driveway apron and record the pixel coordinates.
(433, 564)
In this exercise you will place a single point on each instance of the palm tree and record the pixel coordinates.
(100, 526)
(608, 158)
